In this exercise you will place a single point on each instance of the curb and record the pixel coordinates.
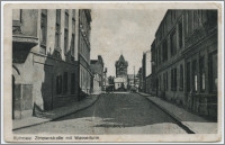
(176, 119)
(53, 119)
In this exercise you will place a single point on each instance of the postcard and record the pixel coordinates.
(112, 72)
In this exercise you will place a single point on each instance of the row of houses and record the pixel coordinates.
(183, 61)
(51, 59)
(99, 75)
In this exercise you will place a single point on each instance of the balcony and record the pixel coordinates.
(21, 47)
(25, 41)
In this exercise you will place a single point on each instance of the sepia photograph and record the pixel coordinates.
(113, 72)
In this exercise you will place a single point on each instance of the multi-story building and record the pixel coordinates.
(84, 50)
(140, 78)
(46, 50)
(146, 70)
(97, 68)
(104, 80)
(121, 74)
(185, 59)
(133, 81)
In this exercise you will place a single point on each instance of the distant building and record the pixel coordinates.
(121, 74)
(185, 59)
(146, 69)
(133, 81)
(140, 78)
(111, 80)
(147, 72)
(104, 80)
(97, 67)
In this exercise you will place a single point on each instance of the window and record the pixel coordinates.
(66, 31)
(173, 43)
(204, 16)
(188, 77)
(212, 17)
(189, 23)
(72, 83)
(159, 83)
(181, 77)
(66, 19)
(160, 54)
(73, 26)
(74, 12)
(165, 53)
(59, 84)
(202, 73)
(203, 81)
(174, 79)
(57, 27)
(165, 81)
(65, 82)
(213, 72)
(65, 40)
(195, 82)
(72, 45)
(16, 15)
(43, 27)
(195, 19)
(180, 35)
(195, 76)
(171, 78)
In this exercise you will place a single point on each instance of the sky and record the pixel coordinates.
(123, 31)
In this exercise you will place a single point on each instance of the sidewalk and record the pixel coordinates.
(56, 113)
(193, 122)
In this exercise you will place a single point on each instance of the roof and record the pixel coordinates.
(121, 60)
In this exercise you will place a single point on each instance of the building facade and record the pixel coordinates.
(184, 55)
(140, 78)
(121, 74)
(146, 70)
(97, 69)
(104, 80)
(45, 60)
(84, 46)
(133, 82)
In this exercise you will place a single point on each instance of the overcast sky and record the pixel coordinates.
(128, 32)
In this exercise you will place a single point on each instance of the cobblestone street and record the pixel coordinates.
(114, 113)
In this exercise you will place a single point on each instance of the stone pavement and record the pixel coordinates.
(56, 113)
(192, 121)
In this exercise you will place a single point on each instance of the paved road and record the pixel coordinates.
(114, 113)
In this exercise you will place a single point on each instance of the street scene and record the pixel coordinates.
(108, 72)
(114, 113)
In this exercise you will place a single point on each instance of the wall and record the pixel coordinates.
(84, 51)
(195, 37)
(42, 69)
